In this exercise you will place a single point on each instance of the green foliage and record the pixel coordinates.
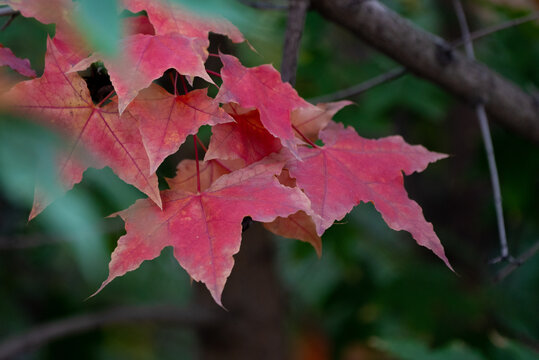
(100, 24)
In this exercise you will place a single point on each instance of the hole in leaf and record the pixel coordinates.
(98, 82)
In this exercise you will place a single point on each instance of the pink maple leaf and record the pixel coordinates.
(204, 228)
(349, 169)
(245, 138)
(261, 88)
(62, 101)
(166, 119)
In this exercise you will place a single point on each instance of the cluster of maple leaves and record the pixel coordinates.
(265, 158)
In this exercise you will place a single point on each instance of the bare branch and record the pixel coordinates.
(25, 242)
(263, 5)
(398, 72)
(7, 11)
(461, 17)
(9, 21)
(430, 57)
(46, 333)
(292, 40)
(516, 263)
(360, 88)
(487, 139)
(499, 27)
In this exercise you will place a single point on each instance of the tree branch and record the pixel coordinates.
(7, 11)
(430, 57)
(46, 333)
(360, 88)
(263, 5)
(487, 138)
(25, 242)
(498, 27)
(398, 72)
(294, 29)
(516, 263)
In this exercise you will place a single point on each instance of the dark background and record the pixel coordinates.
(374, 294)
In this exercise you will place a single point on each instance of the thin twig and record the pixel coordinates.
(398, 72)
(294, 30)
(25, 242)
(43, 334)
(360, 88)
(7, 11)
(516, 263)
(498, 27)
(487, 139)
(263, 5)
(9, 21)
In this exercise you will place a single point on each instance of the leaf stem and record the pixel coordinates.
(307, 140)
(195, 138)
(184, 84)
(213, 73)
(174, 81)
(202, 144)
(206, 150)
(105, 99)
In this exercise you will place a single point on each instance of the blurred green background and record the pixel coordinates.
(374, 294)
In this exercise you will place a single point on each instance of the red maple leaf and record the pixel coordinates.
(166, 119)
(67, 37)
(310, 120)
(349, 169)
(204, 228)
(261, 88)
(171, 18)
(146, 57)
(298, 226)
(62, 101)
(138, 25)
(245, 139)
(209, 171)
(203, 210)
(22, 66)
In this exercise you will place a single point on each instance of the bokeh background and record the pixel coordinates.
(374, 294)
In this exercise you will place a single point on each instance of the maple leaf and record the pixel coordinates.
(138, 25)
(209, 171)
(298, 226)
(204, 228)
(62, 100)
(166, 119)
(245, 139)
(22, 66)
(349, 169)
(170, 18)
(261, 88)
(310, 120)
(68, 39)
(145, 58)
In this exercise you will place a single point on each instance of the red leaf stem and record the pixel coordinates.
(213, 73)
(196, 162)
(307, 140)
(184, 84)
(202, 144)
(105, 99)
